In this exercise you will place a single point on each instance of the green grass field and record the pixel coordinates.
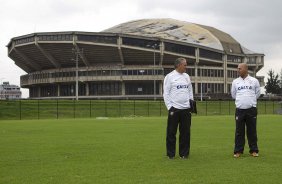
(132, 150)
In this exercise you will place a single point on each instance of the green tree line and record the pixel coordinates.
(274, 83)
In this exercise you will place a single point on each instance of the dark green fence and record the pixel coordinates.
(58, 109)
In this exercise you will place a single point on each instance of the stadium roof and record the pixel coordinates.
(181, 31)
(54, 50)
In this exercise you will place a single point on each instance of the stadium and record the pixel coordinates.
(130, 60)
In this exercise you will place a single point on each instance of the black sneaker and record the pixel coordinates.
(184, 157)
(171, 158)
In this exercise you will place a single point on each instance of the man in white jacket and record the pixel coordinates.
(245, 90)
(177, 93)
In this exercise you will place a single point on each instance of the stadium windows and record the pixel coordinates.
(210, 55)
(251, 60)
(104, 88)
(106, 72)
(58, 37)
(229, 74)
(204, 72)
(92, 73)
(124, 72)
(217, 73)
(159, 72)
(168, 70)
(232, 74)
(99, 73)
(141, 72)
(140, 88)
(46, 91)
(208, 73)
(97, 38)
(67, 89)
(190, 71)
(82, 73)
(115, 72)
(68, 37)
(32, 93)
(220, 73)
(234, 59)
(182, 49)
(210, 88)
(150, 72)
(24, 40)
(140, 42)
(82, 89)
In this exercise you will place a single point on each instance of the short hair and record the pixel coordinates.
(178, 61)
(244, 65)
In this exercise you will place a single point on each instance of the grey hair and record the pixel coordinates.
(178, 61)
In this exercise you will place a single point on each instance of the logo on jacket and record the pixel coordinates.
(181, 86)
(244, 87)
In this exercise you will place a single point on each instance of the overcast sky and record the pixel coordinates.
(256, 24)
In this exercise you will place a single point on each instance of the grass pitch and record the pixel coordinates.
(132, 150)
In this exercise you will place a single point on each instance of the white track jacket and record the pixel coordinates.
(245, 92)
(177, 90)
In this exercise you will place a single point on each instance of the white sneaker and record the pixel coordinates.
(237, 155)
(255, 154)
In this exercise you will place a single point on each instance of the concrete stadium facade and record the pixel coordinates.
(129, 60)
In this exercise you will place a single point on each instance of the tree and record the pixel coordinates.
(280, 81)
(272, 84)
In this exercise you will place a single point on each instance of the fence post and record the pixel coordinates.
(106, 109)
(20, 109)
(95, 101)
(57, 109)
(206, 107)
(73, 108)
(219, 107)
(160, 108)
(38, 109)
(265, 107)
(148, 108)
(229, 106)
(273, 107)
(133, 107)
(90, 107)
(119, 108)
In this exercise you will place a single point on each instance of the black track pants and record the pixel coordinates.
(181, 117)
(248, 118)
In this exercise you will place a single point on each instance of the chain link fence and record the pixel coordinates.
(59, 109)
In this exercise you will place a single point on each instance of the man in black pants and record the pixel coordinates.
(177, 93)
(245, 90)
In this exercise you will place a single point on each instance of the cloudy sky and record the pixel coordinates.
(256, 24)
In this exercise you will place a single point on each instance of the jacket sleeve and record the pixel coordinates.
(257, 89)
(233, 90)
(190, 89)
(167, 86)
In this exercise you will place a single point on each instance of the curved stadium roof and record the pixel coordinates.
(181, 31)
(126, 43)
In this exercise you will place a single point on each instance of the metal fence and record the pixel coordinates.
(59, 109)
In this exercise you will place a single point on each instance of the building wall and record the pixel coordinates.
(8, 91)
(120, 65)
